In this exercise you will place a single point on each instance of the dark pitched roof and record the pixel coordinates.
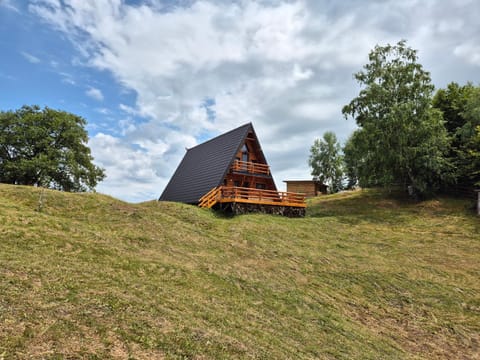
(204, 166)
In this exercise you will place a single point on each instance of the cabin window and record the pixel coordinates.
(236, 183)
(260, 186)
(246, 184)
(244, 152)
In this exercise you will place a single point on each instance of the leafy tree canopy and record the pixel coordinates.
(452, 101)
(460, 106)
(354, 157)
(401, 138)
(469, 133)
(326, 161)
(46, 147)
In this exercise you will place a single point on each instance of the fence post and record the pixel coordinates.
(478, 201)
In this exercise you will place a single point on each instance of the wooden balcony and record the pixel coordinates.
(250, 167)
(234, 194)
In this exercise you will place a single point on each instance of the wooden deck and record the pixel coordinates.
(234, 194)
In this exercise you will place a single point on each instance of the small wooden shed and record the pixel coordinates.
(310, 188)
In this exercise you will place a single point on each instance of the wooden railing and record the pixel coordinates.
(250, 167)
(225, 194)
(210, 198)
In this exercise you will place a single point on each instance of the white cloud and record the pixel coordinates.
(133, 170)
(30, 58)
(286, 66)
(470, 52)
(67, 78)
(129, 110)
(301, 74)
(103, 111)
(94, 93)
(127, 126)
(130, 171)
(9, 4)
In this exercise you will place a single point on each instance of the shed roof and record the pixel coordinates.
(204, 166)
(302, 181)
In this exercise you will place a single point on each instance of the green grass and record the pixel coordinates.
(362, 276)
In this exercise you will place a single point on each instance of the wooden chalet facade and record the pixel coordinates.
(230, 173)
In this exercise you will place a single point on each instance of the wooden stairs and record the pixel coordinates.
(211, 198)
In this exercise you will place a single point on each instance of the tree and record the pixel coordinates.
(401, 138)
(469, 133)
(460, 106)
(46, 147)
(469, 156)
(326, 161)
(353, 158)
(452, 101)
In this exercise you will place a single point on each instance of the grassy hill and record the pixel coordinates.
(362, 276)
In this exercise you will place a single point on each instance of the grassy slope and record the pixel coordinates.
(362, 276)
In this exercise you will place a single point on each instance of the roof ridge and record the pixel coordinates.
(221, 135)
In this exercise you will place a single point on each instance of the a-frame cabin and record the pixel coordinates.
(230, 173)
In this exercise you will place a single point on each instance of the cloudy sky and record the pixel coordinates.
(156, 76)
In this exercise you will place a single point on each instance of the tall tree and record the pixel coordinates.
(48, 148)
(460, 106)
(354, 156)
(452, 101)
(326, 161)
(402, 137)
(469, 133)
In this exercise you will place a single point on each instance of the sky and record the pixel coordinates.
(155, 77)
